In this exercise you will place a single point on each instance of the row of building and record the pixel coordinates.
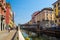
(47, 16)
(6, 16)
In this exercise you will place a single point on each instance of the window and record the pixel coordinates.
(43, 20)
(2, 1)
(55, 14)
(59, 8)
(55, 10)
(46, 14)
(4, 11)
(47, 18)
(58, 4)
(51, 15)
(55, 20)
(46, 11)
(54, 6)
(58, 14)
(4, 4)
(51, 18)
(59, 20)
(50, 11)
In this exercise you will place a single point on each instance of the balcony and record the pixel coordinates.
(58, 8)
(58, 5)
(0, 4)
(54, 6)
(58, 16)
(3, 8)
(2, 17)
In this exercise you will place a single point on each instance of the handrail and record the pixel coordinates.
(14, 36)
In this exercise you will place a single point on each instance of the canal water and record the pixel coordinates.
(32, 36)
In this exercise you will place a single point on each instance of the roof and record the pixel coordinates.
(56, 2)
(36, 13)
(50, 9)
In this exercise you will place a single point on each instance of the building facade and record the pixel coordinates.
(46, 13)
(2, 14)
(56, 8)
(11, 19)
(35, 17)
(30, 22)
(9, 16)
(47, 17)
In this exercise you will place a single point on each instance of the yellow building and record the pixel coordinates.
(11, 21)
(56, 9)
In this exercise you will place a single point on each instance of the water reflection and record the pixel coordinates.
(24, 34)
(33, 36)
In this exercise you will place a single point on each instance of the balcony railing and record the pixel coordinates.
(3, 8)
(2, 17)
(0, 4)
(58, 8)
(58, 16)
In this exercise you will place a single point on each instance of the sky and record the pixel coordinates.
(24, 9)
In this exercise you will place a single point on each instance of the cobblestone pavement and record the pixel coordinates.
(5, 35)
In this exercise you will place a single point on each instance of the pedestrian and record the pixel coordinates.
(9, 29)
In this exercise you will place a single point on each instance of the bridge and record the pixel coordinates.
(36, 28)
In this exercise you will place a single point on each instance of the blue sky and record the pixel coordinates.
(25, 8)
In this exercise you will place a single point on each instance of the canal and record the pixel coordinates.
(33, 36)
